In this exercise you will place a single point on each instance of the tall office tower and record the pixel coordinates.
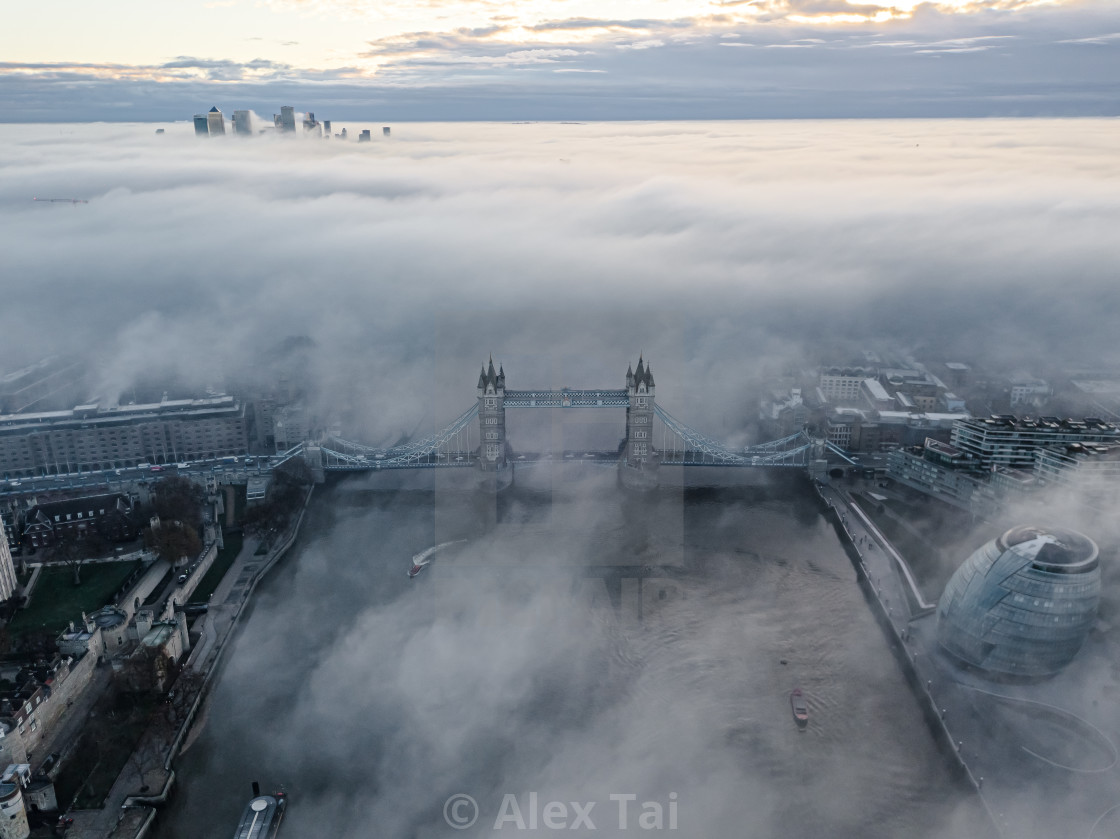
(342, 134)
(385, 130)
(215, 121)
(242, 123)
(364, 136)
(287, 118)
(327, 128)
(201, 128)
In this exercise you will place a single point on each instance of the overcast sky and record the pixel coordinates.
(69, 60)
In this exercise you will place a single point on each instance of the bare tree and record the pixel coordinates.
(145, 671)
(178, 499)
(184, 692)
(151, 749)
(172, 540)
(296, 471)
(73, 551)
(285, 498)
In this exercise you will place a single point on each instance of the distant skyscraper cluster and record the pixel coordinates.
(212, 123)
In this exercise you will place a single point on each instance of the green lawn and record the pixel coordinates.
(222, 562)
(56, 600)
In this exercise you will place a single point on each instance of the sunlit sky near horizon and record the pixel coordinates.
(682, 49)
(322, 34)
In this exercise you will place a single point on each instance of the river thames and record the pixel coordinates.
(583, 645)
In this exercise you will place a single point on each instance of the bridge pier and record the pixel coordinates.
(313, 457)
(639, 463)
(492, 420)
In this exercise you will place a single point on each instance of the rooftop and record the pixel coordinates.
(876, 390)
(1096, 452)
(942, 448)
(1053, 549)
(96, 413)
(1012, 422)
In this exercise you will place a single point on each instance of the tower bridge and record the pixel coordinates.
(477, 438)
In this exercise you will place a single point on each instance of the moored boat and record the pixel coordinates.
(262, 815)
(800, 709)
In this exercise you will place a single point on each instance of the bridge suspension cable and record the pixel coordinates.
(839, 451)
(687, 446)
(450, 446)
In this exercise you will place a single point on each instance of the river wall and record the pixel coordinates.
(896, 639)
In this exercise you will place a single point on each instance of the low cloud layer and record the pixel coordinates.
(724, 251)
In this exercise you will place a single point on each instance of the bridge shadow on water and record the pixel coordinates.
(573, 521)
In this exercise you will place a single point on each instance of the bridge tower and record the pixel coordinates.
(639, 451)
(492, 418)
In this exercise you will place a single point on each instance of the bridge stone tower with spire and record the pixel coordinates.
(492, 418)
(640, 389)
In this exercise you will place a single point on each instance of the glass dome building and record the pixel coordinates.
(1023, 604)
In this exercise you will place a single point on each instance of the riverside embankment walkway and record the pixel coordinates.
(128, 810)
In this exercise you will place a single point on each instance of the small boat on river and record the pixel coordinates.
(800, 709)
(421, 560)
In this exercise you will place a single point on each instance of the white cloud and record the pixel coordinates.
(194, 253)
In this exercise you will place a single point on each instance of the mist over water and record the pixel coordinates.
(506, 668)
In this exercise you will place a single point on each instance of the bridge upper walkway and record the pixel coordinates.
(567, 398)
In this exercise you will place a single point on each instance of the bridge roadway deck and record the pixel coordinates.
(689, 458)
(566, 398)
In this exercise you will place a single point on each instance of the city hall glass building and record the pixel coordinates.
(1023, 604)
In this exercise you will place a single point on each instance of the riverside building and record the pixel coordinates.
(1013, 442)
(1023, 604)
(93, 437)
